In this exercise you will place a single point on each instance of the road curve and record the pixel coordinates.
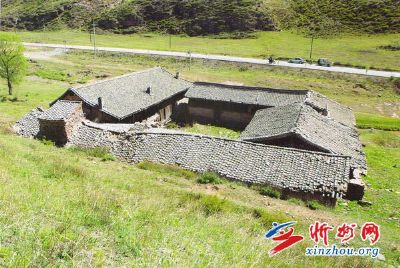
(336, 69)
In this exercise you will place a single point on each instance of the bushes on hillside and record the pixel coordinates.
(190, 17)
(356, 16)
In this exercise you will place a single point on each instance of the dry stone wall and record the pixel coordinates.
(289, 169)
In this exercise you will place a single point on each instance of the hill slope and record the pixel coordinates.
(200, 17)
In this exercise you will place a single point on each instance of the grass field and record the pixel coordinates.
(107, 213)
(358, 50)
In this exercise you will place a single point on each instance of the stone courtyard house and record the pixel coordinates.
(297, 141)
(131, 98)
(59, 123)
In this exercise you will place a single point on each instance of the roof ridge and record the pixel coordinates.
(332, 100)
(115, 78)
(279, 90)
(71, 101)
(296, 122)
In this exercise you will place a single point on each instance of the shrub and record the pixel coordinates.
(268, 218)
(47, 142)
(243, 69)
(271, 192)
(209, 177)
(313, 205)
(213, 204)
(172, 125)
(296, 201)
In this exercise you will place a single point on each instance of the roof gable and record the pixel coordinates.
(61, 110)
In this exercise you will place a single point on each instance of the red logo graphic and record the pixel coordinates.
(287, 239)
(371, 232)
(320, 231)
(345, 232)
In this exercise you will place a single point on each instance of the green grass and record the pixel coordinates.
(210, 130)
(64, 207)
(378, 122)
(98, 152)
(355, 50)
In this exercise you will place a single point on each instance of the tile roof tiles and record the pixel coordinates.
(303, 120)
(61, 110)
(126, 95)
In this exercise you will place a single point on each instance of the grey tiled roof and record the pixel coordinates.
(126, 95)
(334, 109)
(28, 125)
(61, 110)
(285, 168)
(303, 120)
(265, 97)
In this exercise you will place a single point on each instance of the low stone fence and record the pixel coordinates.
(298, 171)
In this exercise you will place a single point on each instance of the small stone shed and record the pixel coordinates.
(131, 98)
(59, 123)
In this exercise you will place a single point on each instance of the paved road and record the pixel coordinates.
(336, 69)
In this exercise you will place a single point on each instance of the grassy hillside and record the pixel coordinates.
(194, 17)
(68, 207)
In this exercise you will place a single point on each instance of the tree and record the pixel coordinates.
(13, 64)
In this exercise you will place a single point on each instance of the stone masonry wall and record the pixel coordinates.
(288, 169)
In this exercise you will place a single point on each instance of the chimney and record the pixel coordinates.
(100, 103)
(177, 75)
(148, 90)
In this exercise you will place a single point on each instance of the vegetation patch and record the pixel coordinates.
(366, 121)
(391, 47)
(98, 152)
(269, 191)
(212, 204)
(53, 75)
(267, 218)
(210, 130)
(209, 178)
(166, 169)
(314, 205)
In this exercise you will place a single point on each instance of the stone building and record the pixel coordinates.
(59, 123)
(131, 98)
(300, 126)
(234, 106)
